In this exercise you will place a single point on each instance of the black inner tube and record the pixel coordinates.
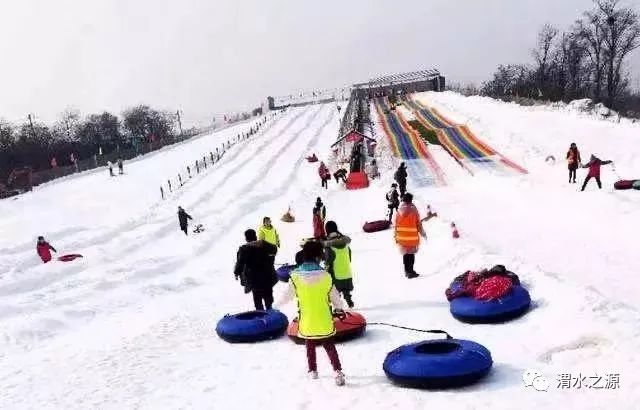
(437, 348)
(251, 315)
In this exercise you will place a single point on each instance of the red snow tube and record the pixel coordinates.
(357, 180)
(351, 327)
(69, 258)
(624, 184)
(376, 226)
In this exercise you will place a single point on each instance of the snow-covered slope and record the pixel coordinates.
(132, 325)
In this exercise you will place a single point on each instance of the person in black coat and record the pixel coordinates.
(393, 200)
(401, 178)
(183, 219)
(255, 269)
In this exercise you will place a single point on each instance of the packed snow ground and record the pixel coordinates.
(132, 324)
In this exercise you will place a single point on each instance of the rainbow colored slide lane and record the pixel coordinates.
(408, 145)
(460, 142)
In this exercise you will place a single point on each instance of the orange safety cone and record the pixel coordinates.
(454, 231)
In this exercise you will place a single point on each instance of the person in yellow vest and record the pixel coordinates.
(268, 233)
(408, 230)
(316, 294)
(338, 261)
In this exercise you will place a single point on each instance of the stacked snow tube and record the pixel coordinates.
(251, 327)
(470, 310)
(353, 326)
(376, 226)
(284, 272)
(636, 185)
(625, 184)
(438, 364)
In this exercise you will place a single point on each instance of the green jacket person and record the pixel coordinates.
(338, 260)
(312, 286)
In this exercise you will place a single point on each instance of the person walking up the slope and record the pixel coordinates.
(322, 208)
(255, 269)
(110, 165)
(313, 288)
(318, 224)
(120, 166)
(594, 170)
(393, 200)
(401, 178)
(573, 161)
(408, 230)
(325, 175)
(339, 175)
(183, 220)
(267, 232)
(44, 249)
(338, 260)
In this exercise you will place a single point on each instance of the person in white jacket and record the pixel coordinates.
(310, 284)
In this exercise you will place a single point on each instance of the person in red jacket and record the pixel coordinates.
(594, 170)
(318, 224)
(44, 249)
(325, 175)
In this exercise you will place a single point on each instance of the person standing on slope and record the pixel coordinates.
(393, 200)
(313, 288)
(338, 260)
(318, 224)
(594, 170)
(325, 175)
(44, 249)
(120, 166)
(401, 178)
(408, 230)
(110, 165)
(574, 161)
(255, 269)
(322, 208)
(267, 232)
(183, 220)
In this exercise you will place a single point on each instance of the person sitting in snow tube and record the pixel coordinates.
(489, 296)
(624, 184)
(438, 364)
(251, 327)
(312, 158)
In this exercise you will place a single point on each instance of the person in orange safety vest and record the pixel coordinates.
(408, 230)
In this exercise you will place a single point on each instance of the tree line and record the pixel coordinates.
(588, 60)
(35, 144)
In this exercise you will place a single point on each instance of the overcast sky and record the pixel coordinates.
(213, 56)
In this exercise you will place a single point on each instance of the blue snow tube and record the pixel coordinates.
(438, 364)
(252, 326)
(511, 306)
(284, 272)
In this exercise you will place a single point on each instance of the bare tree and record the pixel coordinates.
(621, 37)
(542, 53)
(591, 31)
(69, 124)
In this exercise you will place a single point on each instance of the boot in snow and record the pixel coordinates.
(313, 374)
(412, 275)
(339, 378)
